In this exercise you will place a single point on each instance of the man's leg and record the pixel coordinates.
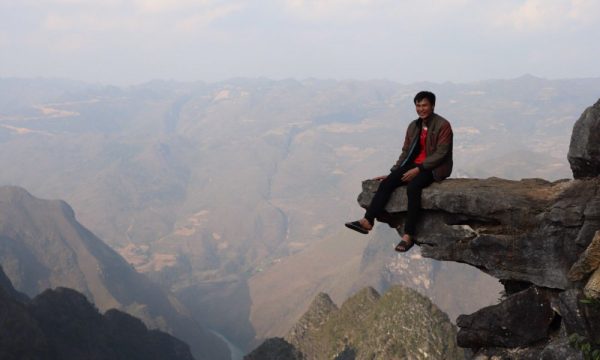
(383, 193)
(413, 192)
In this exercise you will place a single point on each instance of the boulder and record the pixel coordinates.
(275, 349)
(592, 288)
(588, 261)
(519, 320)
(584, 150)
(580, 315)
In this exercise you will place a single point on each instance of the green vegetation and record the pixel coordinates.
(400, 324)
(589, 350)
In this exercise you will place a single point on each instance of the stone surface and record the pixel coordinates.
(519, 320)
(584, 150)
(592, 288)
(579, 315)
(555, 349)
(588, 261)
(530, 230)
(560, 349)
(275, 349)
(400, 324)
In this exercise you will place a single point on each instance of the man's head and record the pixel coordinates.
(424, 103)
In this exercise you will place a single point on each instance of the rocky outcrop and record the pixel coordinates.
(522, 319)
(275, 349)
(400, 324)
(584, 151)
(63, 324)
(530, 230)
(535, 236)
(302, 334)
(42, 245)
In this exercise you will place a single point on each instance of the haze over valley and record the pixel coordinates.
(232, 195)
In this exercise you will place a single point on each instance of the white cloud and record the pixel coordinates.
(147, 16)
(585, 11)
(204, 18)
(393, 39)
(161, 6)
(544, 15)
(81, 21)
(320, 9)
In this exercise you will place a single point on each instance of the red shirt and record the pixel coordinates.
(422, 155)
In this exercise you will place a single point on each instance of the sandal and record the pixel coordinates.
(404, 246)
(357, 226)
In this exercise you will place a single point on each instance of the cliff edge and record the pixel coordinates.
(539, 238)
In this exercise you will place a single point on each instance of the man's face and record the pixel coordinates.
(424, 108)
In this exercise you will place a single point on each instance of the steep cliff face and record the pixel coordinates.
(529, 234)
(42, 245)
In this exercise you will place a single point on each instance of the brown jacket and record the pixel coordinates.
(438, 146)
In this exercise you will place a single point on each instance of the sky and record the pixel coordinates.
(125, 42)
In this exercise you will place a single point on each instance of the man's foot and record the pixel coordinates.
(405, 244)
(363, 226)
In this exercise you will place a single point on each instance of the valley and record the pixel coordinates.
(233, 195)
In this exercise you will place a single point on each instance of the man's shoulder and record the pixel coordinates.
(439, 118)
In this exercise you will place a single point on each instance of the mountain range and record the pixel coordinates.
(62, 324)
(43, 247)
(232, 195)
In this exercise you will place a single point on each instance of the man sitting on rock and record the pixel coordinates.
(426, 156)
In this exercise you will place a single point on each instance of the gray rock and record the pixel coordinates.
(530, 230)
(555, 349)
(588, 261)
(579, 315)
(521, 319)
(560, 349)
(275, 349)
(592, 288)
(584, 150)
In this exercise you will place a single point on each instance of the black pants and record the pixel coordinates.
(413, 192)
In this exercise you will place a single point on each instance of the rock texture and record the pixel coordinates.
(530, 230)
(522, 319)
(592, 288)
(537, 237)
(400, 324)
(61, 324)
(584, 151)
(275, 349)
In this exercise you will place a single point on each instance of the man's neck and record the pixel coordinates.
(425, 121)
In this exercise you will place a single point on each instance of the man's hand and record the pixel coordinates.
(380, 178)
(410, 174)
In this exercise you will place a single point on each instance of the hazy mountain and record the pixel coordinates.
(216, 190)
(43, 246)
(63, 324)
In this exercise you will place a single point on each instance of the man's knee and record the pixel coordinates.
(389, 184)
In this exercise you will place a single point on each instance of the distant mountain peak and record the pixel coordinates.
(43, 246)
(369, 325)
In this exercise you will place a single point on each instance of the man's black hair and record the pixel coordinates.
(425, 95)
